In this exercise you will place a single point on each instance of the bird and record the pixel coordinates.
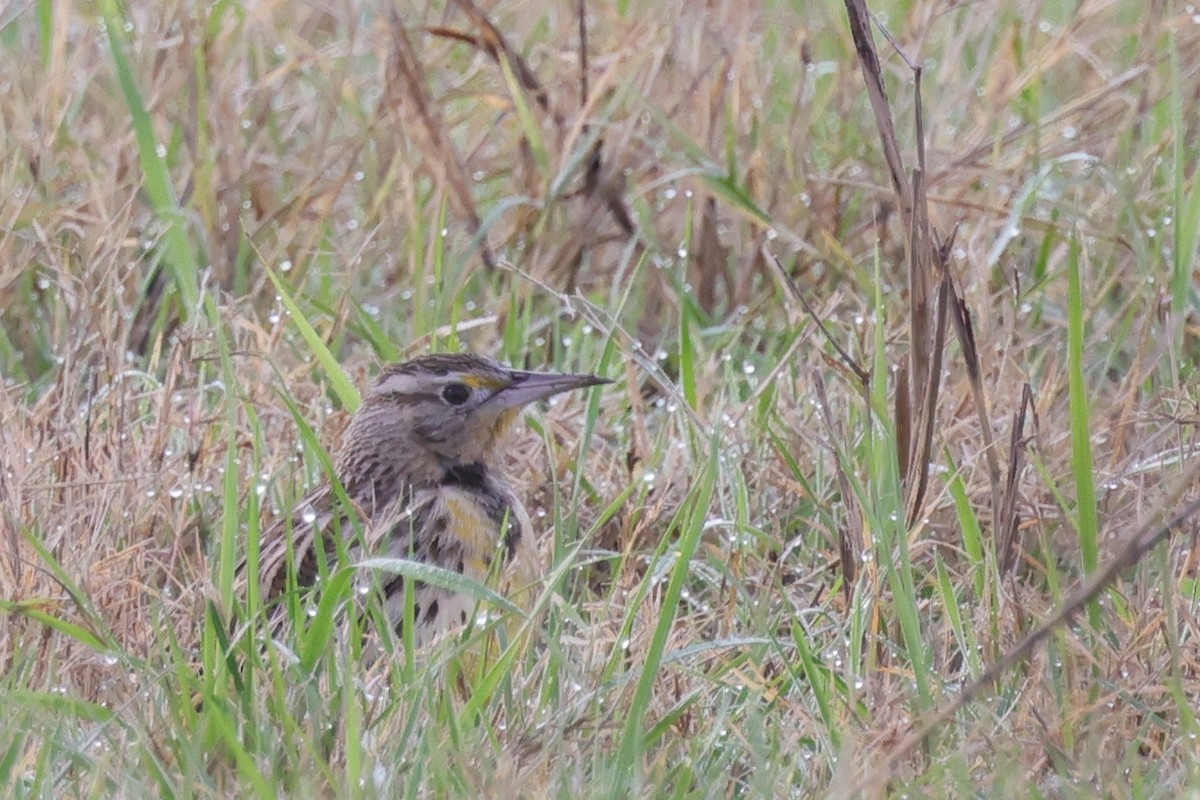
(421, 466)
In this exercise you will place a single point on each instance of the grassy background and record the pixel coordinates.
(217, 219)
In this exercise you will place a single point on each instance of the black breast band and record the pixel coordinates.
(468, 476)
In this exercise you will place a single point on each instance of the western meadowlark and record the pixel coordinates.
(421, 467)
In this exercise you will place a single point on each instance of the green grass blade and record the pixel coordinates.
(343, 387)
(1186, 197)
(178, 249)
(1087, 520)
(972, 533)
(443, 578)
(31, 610)
(528, 120)
(631, 750)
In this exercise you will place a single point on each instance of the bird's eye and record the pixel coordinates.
(456, 394)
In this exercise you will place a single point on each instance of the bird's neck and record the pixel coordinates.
(379, 458)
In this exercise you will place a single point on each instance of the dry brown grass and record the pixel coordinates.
(340, 141)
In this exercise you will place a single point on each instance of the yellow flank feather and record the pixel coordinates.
(471, 525)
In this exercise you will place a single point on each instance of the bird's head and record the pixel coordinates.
(451, 409)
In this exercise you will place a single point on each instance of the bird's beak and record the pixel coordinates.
(528, 387)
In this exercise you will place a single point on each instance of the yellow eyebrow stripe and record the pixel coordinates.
(482, 382)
